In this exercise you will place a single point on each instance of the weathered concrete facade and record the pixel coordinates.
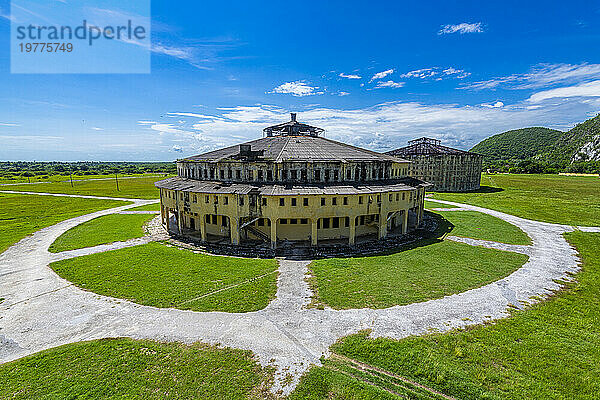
(447, 169)
(291, 185)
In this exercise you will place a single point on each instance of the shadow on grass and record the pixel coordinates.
(482, 189)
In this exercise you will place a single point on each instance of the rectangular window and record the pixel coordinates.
(216, 199)
(293, 221)
(345, 201)
(238, 174)
(224, 221)
(284, 174)
(281, 202)
(336, 174)
(214, 219)
(334, 201)
(283, 221)
(379, 198)
(336, 222)
(322, 201)
(325, 223)
(403, 196)
(194, 199)
(222, 174)
(241, 200)
(303, 175)
(229, 174)
(260, 174)
(397, 196)
(294, 174)
(348, 174)
(326, 175)
(207, 218)
(391, 197)
(362, 219)
(317, 175)
(305, 202)
(347, 221)
(293, 201)
(304, 221)
(360, 199)
(261, 222)
(264, 201)
(225, 200)
(269, 175)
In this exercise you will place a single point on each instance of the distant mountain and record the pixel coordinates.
(582, 143)
(544, 149)
(518, 144)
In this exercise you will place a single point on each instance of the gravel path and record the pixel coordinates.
(42, 310)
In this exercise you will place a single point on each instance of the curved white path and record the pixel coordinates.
(42, 310)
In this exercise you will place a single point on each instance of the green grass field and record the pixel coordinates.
(476, 225)
(129, 369)
(418, 274)
(102, 230)
(571, 200)
(157, 275)
(60, 178)
(549, 351)
(433, 204)
(138, 188)
(147, 207)
(21, 215)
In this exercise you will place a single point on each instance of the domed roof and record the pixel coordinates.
(293, 141)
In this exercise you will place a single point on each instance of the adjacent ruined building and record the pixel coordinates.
(292, 185)
(447, 169)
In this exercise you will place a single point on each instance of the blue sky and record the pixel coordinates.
(372, 74)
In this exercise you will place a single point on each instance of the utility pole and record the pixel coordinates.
(117, 180)
(71, 177)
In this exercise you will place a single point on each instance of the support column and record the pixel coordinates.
(273, 233)
(179, 216)
(313, 232)
(404, 222)
(162, 214)
(234, 230)
(352, 237)
(203, 227)
(382, 226)
(167, 217)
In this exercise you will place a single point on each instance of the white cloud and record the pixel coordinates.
(297, 88)
(457, 73)
(168, 128)
(420, 73)
(542, 75)
(8, 124)
(461, 28)
(188, 114)
(6, 15)
(146, 122)
(177, 149)
(497, 104)
(95, 128)
(389, 84)
(349, 76)
(381, 75)
(343, 93)
(589, 89)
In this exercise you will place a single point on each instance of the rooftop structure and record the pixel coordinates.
(446, 168)
(292, 185)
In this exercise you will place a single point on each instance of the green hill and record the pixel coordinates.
(582, 143)
(544, 150)
(518, 144)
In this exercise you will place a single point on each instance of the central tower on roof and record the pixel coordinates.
(292, 128)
